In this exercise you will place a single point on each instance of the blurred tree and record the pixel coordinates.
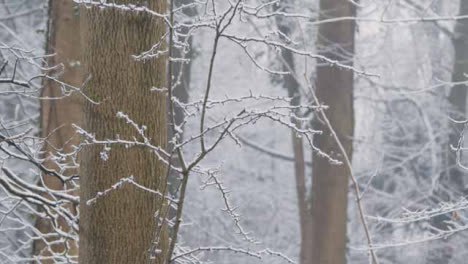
(292, 85)
(181, 73)
(58, 115)
(458, 93)
(453, 183)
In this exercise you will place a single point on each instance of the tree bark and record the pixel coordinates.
(334, 87)
(58, 115)
(118, 227)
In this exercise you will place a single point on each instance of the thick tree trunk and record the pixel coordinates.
(58, 115)
(334, 87)
(118, 227)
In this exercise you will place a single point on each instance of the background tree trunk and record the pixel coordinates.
(181, 92)
(457, 97)
(453, 179)
(293, 88)
(58, 115)
(118, 227)
(334, 87)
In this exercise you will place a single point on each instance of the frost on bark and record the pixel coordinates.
(118, 228)
(57, 116)
(334, 88)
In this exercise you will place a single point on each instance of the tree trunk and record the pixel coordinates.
(453, 178)
(457, 97)
(334, 87)
(292, 86)
(299, 165)
(182, 76)
(118, 227)
(58, 115)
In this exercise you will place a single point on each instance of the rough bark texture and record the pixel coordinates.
(58, 115)
(334, 87)
(118, 227)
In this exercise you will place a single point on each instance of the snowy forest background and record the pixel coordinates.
(405, 69)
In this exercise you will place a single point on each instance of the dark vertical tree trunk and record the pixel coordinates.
(118, 228)
(183, 69)
(454, 178)
(58, 115)
(182, 76)
(334, 88)
(292, 86)
(457, 97)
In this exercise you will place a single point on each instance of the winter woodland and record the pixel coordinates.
(233, 131)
